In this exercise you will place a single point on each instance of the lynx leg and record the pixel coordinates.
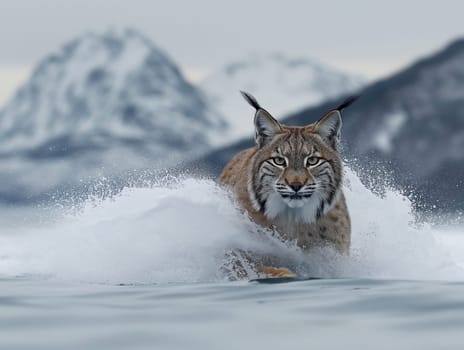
(275, 271)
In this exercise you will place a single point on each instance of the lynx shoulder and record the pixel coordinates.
(291, 180)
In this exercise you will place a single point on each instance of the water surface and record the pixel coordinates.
(316, 314)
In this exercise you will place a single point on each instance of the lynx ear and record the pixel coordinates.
(266, 127)
(329, 127)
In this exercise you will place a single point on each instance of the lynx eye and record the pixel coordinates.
(280, 161)
(312, 161)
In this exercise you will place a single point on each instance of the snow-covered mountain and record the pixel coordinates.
(102, 103)
(115, 87)
(414, 121)
(280, 83)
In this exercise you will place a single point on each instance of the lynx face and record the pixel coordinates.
(297, 171)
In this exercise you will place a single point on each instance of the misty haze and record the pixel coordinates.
(125, 224)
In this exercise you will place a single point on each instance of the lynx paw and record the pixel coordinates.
(276, 271)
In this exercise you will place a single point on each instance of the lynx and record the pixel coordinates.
(291, 181)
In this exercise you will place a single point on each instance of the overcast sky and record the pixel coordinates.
(372, 38)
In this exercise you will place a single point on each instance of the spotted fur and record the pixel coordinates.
(292, 179)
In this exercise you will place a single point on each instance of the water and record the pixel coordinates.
(142, 270)
(319, 314)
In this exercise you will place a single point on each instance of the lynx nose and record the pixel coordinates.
(296, 186)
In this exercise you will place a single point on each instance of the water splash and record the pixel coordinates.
(180, 232)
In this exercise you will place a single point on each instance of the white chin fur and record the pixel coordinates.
(294, 203)
(295, 210)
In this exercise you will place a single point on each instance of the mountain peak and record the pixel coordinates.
(282, 84)
(279, 60)
(99, 89)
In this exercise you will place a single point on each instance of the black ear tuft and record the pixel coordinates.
(266, 126)
(251, 100)
(347, 102)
